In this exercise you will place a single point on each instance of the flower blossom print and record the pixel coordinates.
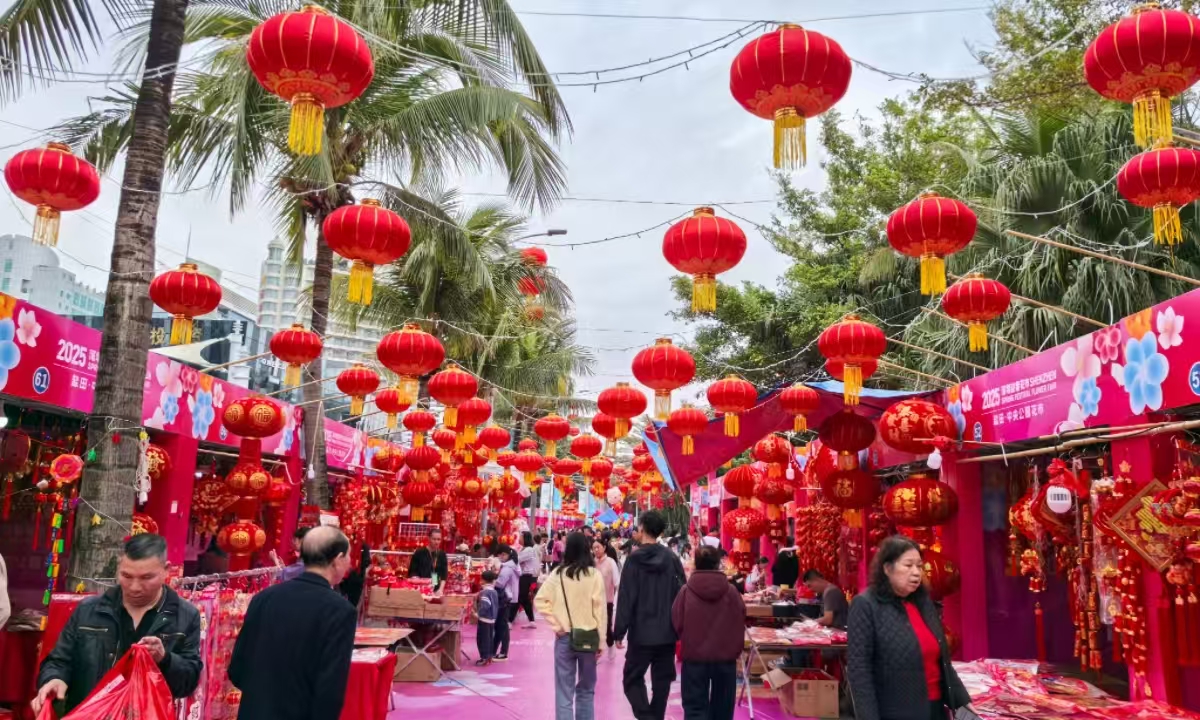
(10, 354)
(966, 397)
(1080, 361)
(1087, 395)
(169, 405)
(1143, 374)
(28, 328)
(289, 430)
(203, 414)
(167, 374)
(1170, 329)
(189, 378)
(1075, 419)
(1107, 343)
(218, 392)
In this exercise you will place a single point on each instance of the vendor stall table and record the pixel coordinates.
(758, 641)
(369, 688)
(444, 619)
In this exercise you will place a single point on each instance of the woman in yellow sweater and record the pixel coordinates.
(573, 598)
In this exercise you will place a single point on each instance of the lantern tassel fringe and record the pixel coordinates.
(852, 380)
(977, 336)
(181, 330)
(450, 417)
(307, 126)
(418, 440)
(45, 226)
(1167, 228)
(391, 421)
(662, 405)
(933, 275)
(356, 405)
(291, 376)
(791, 152)
(704, 294)
(362, 283)
(1151, 119)
(732, 426)
(407, 389)
(551, 447)
(800, 424)
(622, 428)
(689, 445)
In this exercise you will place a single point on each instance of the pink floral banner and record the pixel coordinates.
(46, 358)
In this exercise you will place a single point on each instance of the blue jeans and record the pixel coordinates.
(570, 688)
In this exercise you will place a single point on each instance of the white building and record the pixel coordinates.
(33, 273)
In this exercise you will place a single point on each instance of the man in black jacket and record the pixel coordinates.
(650, 581)
(429, 561)
(292, 657)
(141, 610)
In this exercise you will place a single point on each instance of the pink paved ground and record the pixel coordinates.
(523, 687)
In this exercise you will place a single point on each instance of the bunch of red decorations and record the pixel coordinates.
(817, 531)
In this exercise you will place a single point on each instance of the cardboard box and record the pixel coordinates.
(805, 692)
(451, 645)
(396, 602)
(759, 611)
(763, 662)
(421, 669)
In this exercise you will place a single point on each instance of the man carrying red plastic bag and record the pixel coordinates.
(138, 643)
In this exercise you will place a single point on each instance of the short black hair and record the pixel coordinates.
(764, 560)
(488, 576)
(707, 558)
(652, 523)
(498, 549)
(145, 546)
(527, 539)
(890, 551)
(301, 532)
(790, 540)
(322, 554)
(810, 575)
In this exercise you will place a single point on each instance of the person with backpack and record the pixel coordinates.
(573, 602)
(710, 618)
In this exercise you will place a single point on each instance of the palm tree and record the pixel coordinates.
(442, 102)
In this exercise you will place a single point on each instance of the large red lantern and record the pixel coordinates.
(247, 480)
(358, 381)
(855, 345)
(930, 228)
(452, 387)
(623, 402)
(185, 293)
(775, 451)
(158, 463)
(551, 429)
(534, 256)
(920, 501)
(527, 444)
(585, 447)
(418, 422)
(566, 467)
(314, 61)
(296, 346)
(799, 400)
(744, 524)
(1162, 180)
(732, 396)
(976, 300)
(389, 401)
(789, 76)
(849, 434)
(911, 425)
(418, 493)
(687, 422)
(741, 481)
(1145, 60)
(54, 180)
(601, 469)
(239, 540)
(704, 246)
(529, 463)
(941, 575)
(605, 426)
(410, 353)
(253, 418)
(850, 489)
(369, 235)
(472, 413)
(663, 368)
(494, 437)
(774, 493)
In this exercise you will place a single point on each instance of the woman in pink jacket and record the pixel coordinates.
(607, 565)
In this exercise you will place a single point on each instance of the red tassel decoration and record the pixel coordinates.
(1039, 623)
(70, 512)
(8, 486)
(1193, 614)
(1178, 608)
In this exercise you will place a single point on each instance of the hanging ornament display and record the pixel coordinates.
(732, 396)
(314, 61)
(704, 246)
(912, 425)
(799, 400)
(1162, 180)
(920, 501)
(624, 403)
(141, 523)
(239, 540)
(929, 229)
(390, 401)
(253, 418)
(357, 381)
(472, 413)
(53, 180)
(855, 346)
(847, 433)
(790, 75)
(418, 422)
(976, 301)
(446, 440)
(850, 489)
(775, 452)
(66, 469)
(494, 438)
(388, 459)
(663, 368)
(210, 499)
(741, 481)
(452, 387)
(185, 293)
(744, 524)
(551, 429)
(687, 422)
(296, 347)
(605, 426)
(1145, 60)
(367, 234)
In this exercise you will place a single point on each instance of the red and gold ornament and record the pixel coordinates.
(911, 425)
(419, 422)
(920, 501)
(296, 347)
(239, 540)
(390, 401)
(704, 246)
(624, 403)
(663, 368)
(1162, 180)
(847, 433)
(410, 353)
(799, 400)
(185, 293)
(551, 429)
(851, 489)
(585, 447)
(368, 234)
(775, 452)
(452, 387)
(976, 301)
(54, 180)
(687, 422)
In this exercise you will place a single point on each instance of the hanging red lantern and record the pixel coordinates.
(369, 235)
(551, 429)
(920, 501)
(741, 481)
(744, 524)
(605, 426)
(663, 368)
(388, 458)
(600, 469)
(446, 440)
(566, 467)
(452, 387)
(790, 75)
(704, 246)
(410, 353)
(52, 179)
(687, 422)
(142, 524)
(418, 422)
(185, 293)
(247, 480)
(799, 400)
(239, 540)
(930, 228)
(531, 289)
(941, 575)
(775, 451)
(296, 346)
(624, 403)
(1162, 180)
(534, 256)
(527, 444)
(1145, 60)
(253, 418)
(358, 381)
(774, 493)
(852, 343)
(278, 492)
(389, 401)
(848, 433)
(976, 300)
(911, 425)
(417, 494)
(314, 61)
(732, 396)
(494, 437)
(850, 489)
(158, 463)
(586, 447)
(529, 463)
(472, 413)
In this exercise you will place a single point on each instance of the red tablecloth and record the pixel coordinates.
(369, 689)
(18, 669)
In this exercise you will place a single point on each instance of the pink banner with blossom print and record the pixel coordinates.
(46, 358)
(1148, 362)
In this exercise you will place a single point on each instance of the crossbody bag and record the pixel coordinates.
(581, 640)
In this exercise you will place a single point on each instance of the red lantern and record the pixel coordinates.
(472, 413)
(586, 447)
(849, 434)
(601, 469)
(930, 228)
(920, 501)
(357, 381)
(704, 246)
(452, 387)
(741, 481)
(566, 467)
(297, 346)
(527, 444)
(54, 180)
(410, 353)
(495, 437)
(142, 524)
(1145, 60)
(941, 575)
(253, 418)
(417, 494)
(418, 422)
(531, 288)
(534, 256)
(314, 61)
(731, 396)
(388, 458)
(976, 300)
(911, 425)
(158, 463)
(775, 451)
(663, 368)
(1162, 180)
(687, 422)
(239, 540)
(790, 75)
(278, 492)
(623, 402)
(446, 439)
(850, 489)
(389, 401)
(642, 463)
(370, 235)
(852, 343)
(744, 524)
(551, 429)
(247, 480)
(529, 463)
(606, 427)
(799, 400)
(185, 293)
(210, 498)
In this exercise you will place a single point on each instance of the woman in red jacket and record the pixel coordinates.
(710, 618)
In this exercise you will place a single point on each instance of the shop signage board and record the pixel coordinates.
(1147, 362)
(46, 358)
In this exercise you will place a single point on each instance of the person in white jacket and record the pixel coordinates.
(574, 597)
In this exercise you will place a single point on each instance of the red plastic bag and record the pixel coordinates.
(133, 688)
(47, 712)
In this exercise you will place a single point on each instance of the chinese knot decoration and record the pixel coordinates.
(788, 76)
(799, 400)
(687, 422)
(52, 179)
(452, 387)
(732, 396)
(296, 346)
(848, 433)
(185, 293)
(410, 353)
(367, 234)
(1145, 60)
(314, 61)
(663, 368)
(976, 301)
(623, 402)
(911, 425)
(1162, 180)
(930, 228)
(704, 246)
(854, 346)
(920, 501)
(357, 381)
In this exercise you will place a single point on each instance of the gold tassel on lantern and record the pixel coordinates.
(587, 466)
(732, 426)
(662, 405)
(799, 424)
(1167, 230)
(291, 375)
(551, 448)
(852, 381)
(622, 428)
(933, 275)
(790, 150)
(1151, 119)
(181, 330)
(704, 293)
(362, 283)
(45, 226)
(847, 461)
(418, 514)
(407, 389)
(356, 405)
(391, 421)
(689, 445)
(977, 336)
(450, 417)
(418, 440)
(307, 125)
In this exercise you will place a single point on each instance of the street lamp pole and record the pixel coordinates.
(552, 232)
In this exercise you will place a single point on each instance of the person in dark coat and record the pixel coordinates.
(430, 560)
(786, 570)
(899, 662)
(292, 657)
(141, 610)
(652, 577)
(710, 618)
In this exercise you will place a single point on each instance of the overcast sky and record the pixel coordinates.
(678, 137)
